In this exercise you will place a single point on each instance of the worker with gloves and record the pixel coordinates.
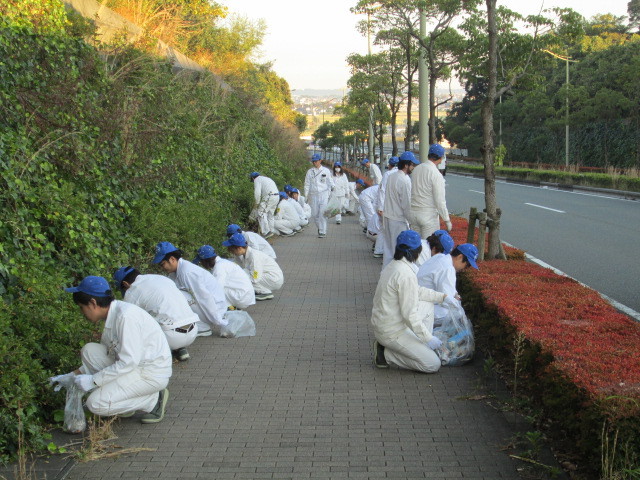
(264, 272)
(159, 297)
(235, 282)
(254, 240)
(129, 370)
(402, 334)
(318, 183)
(374, 171)
(204, 293)
(428, 201)
(266, 198)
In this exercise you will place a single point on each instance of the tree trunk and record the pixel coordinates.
(394, 140)
(432, 109)
(407, 133)
(488, 148)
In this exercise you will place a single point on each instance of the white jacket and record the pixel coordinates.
(299, 210)
(383, 187)
(264, 272)
(287, 212)
(317, 181)
(160, 297)
(235, 282)
(428, 191)
(368, 201)
(397, 198)
(341, 185)
(438, 274)
(395, 302)
(204, 289)
(375, 173)
(305, 206)
(258, 242)
(136, 340)
(263, 187)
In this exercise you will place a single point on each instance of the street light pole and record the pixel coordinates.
(370, 143)
(423, 89)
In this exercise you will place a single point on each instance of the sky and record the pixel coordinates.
(308, 41)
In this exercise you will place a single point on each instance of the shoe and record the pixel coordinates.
(268, 235)
(377, 255)
(126, 415)
(204, 333)
(182, 354)
(157, 414)
(264, 296)
(288, 234)
(378, 356)
(322, 235)
(338, 223)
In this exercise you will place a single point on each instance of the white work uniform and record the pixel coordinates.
(438, 274)
(374, 233)
(383, 187)
(340, 190)
(396, 318)
(368, 204)
(353, 200)
(425, 255)
(302, 217)
(159, 297)
(305, 206)
(209, 301)
(130, 365)
(286, 219)
(318, 182)
(266, 196)
(397, 206)
(375, 173)
(264, 272)
(257, 242)
(428, 200)
(235, 282)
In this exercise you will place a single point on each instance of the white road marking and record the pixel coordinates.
(476, 191)
(546, 208)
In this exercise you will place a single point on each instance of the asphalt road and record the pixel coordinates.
(591, 237)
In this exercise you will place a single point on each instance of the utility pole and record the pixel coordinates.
(423, 89)
(371, 140)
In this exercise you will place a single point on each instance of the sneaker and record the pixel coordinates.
(204, 333)
(322, 235)
(288, 234)
(157, 414)
(377, 255)
(126, 415)
(378, 356)
(264, 296)
(182, 354)
(268, 235)
(338, 223)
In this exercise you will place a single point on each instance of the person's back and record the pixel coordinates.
(397, 197)
(263, 187)
(438, 274)
(235, 283)
(424, 179)
(266, 275)
(258, 242)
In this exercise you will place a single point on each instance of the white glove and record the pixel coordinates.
(450, 302)
(434, 343)
(449, 226)
(65, 380)
(85, 382)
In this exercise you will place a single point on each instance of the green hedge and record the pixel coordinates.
(101, 157)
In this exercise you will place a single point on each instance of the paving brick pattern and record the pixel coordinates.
(302, 399)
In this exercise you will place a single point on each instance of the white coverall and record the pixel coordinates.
(257, 242)
(353, 200)
(235, 282)
(340, 190)
(130, 365)
(398, 325)
(209, 301)
(438, 274)
(368, 204)
(286, 220)
(159, 297)
(264, 272)
(383, 187)
(397, 205)
(428, 201)
(375, 173)
(305, 206)
(318, 183)
(304, 221)
(266, 198)
(425, 255)
(374, 233)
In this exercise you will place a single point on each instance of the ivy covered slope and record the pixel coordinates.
(102, 156)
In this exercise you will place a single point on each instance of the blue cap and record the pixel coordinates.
(337, 164)
(288, 188)
(394, 160)
(205, 251)
(437, 150)
(410, 156)
(120, 274)
(471, 252)
(360, 181)
(233, 228)
(410, 238)
(316, 157)
(254, 174)
(235, 240)
(366, 160)
(283, 195)
(92, 285)
(295, 190)
(162, 249)
(445, 240)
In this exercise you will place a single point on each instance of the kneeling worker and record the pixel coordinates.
(264, 272)
(130, 368)
(159, 297)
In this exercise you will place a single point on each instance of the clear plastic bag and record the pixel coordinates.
(240, 324)
(334, 207)
(74, 419)
(456, 334)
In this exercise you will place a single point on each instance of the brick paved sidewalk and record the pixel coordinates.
(302, 398)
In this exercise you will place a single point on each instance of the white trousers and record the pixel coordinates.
(133, 391)
(407, 351)
(342, 200)
(284, 226)
(425, 222)
(270, 280)
(178, 340)
(265, 213)
(391, 230)
(239, 297)
(318, 203)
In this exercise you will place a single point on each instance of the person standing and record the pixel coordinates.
(159, 297)
(130, 368)
(254, 240)
(397, 204)
(374, 171)
(266, 197)
(340, 190)
(392, 168)
(318, 183)
(428, 201)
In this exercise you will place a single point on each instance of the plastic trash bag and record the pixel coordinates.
(74, 419)
(240, 324)
(456, 333)
(334, 207)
